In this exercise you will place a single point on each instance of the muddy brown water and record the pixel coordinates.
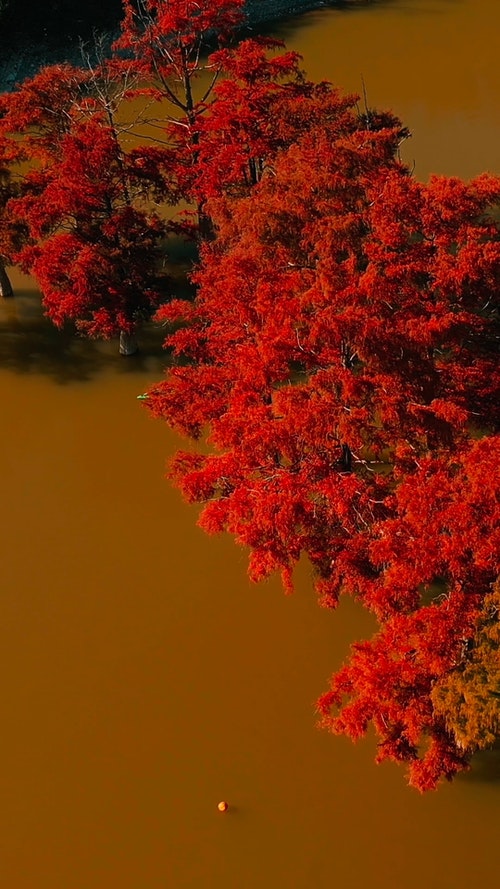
(142, 679)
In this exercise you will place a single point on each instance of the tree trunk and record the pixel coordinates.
(206, 230)
(128, 343)
(346, 459)
(5, 286)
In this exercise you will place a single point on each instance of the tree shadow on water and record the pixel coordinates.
(30, 344)
(485, 767)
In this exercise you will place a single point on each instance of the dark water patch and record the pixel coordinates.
(34, 35)
(57, 22)
(32, 345)
(485, 767)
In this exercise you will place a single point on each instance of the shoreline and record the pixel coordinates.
(261, 11)
(27, 58)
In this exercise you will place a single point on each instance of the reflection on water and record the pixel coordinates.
(30, 345)
(142, 679)
(27, 347)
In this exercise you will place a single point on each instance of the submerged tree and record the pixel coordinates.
(167, 42)
(32, 121)
(82, 181)
(258, 108)
(340, 359)
(225, 107)
(94, 242)
(423, 680)
(340, 355)
(11, 232)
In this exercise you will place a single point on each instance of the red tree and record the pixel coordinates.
(223, 113)
(167, 42)
(36, 115)
(94, 242)
(251, 116)
(435, 560)
(12, 233)
(339, 357)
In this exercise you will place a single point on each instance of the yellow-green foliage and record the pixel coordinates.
(468, 698)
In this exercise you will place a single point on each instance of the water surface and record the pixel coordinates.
(142, 679)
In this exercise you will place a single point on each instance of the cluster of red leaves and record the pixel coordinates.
(339, 358)
(246, 120)
(162, 33)
(90, 239)
(445, 524)
(88, 232)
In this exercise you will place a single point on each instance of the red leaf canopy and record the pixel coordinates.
(340, 359)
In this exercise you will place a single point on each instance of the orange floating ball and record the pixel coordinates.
(223, 806)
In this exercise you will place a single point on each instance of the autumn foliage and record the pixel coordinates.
(340, 361)
(339, 358)
(92, 238)
(468, 697)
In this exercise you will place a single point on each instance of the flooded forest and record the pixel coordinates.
(152, 671)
